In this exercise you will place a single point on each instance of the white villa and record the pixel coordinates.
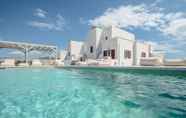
(110, 43)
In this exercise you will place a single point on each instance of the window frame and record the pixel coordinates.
(106, 37)
(127, 54)
(105, 53)
(91, 49)
(143, 54)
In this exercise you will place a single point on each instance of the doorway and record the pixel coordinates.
(113, 53)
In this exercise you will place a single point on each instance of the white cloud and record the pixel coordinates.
(171, 24)
(176, 28)
(154, 4)
(40, 13)
(57, 25)
(164, 47)
(60, 22)
(16, 53)
(41, 25)
(174, 15)
(129, 16)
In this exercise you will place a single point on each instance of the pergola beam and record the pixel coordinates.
(27, 47)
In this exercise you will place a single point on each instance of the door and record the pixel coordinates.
(113, 53)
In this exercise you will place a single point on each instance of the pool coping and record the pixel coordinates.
(103, 67)
(129, 67)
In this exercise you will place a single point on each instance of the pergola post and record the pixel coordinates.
(26, 55)
(56, 53)
(27, 47)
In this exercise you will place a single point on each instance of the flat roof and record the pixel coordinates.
(22, 45)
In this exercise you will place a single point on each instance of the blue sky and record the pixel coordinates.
(160, 22)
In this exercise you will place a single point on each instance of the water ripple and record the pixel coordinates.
(58, 93)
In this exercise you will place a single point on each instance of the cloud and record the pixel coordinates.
(165, 47)
(60, 22)
(41, 25)
(57, 24)
(40, 13)
(171, 24)
(16, 53)
(155, 3)
(129, 16)
(176, 28)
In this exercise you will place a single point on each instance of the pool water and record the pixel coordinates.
(86, 93)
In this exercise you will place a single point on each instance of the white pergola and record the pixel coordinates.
(28, 47)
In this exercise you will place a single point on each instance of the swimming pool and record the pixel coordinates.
(92, 93)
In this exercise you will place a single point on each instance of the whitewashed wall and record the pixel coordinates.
(93, 39)
(75, 49)
(117, 39)
(108, 44)
(139, 48)
(62, 54)
(125, 45)
(119, 33)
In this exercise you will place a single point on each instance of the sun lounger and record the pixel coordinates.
(8, 63)
(36, 62)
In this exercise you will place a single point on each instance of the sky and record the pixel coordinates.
(162, 23)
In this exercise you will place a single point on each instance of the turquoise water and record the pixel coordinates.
(92, 93)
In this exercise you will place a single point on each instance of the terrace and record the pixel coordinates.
(26, 48)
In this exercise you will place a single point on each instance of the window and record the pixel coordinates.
(91, 49)
(68, 53)
(127, 54)
(81, 58)
(143, 54)
(105, 53)
(106, 38)
(109, 51)
(113, 53)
